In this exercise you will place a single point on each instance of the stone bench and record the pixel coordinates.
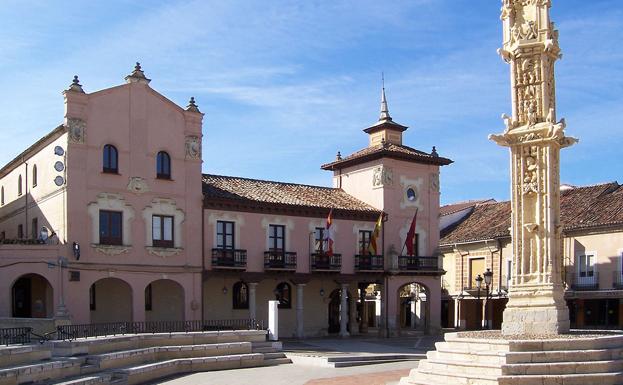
(148, 372)
(159, 353)
(98, 345)
(20, 354)
(41, 371)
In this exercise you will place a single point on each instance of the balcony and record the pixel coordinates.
(229, 259)
(324, 262)
(369, 262)
(411, 263)
(279, 260)
(617, 279)
(584, 281)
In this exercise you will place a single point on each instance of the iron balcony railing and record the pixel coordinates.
(585, 281)
(617, 279)
(408, 263)
(10, 336)
(229, 258)
(368, 262)
(325, 262)
(70, 332)
(279, 260)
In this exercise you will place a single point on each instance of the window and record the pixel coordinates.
(241, 295)
(276, 237)
(92, 297)
(162, 230)
(110, 160)
(20, 231)
(2, 196)
(2, 236)
(19, 186)
(364, 241)
(34, 175)
(509, 272)
(416, 245)
(163, 165)
(283, 295)
(476, 267)
(110, 227)
(586, 266)
(148, 299)
(225, 235)
(34, 228)
(320, 242)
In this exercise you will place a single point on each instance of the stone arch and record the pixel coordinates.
(414, 312)
(32, 296)
(164, 301)
(110, 300)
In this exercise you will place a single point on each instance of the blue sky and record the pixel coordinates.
(286, 84)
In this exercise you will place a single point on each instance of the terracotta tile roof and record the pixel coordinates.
(456, 207)
(388, 150)
(255, 191)
(586, 207)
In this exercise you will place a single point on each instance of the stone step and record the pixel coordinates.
(148, 372)
(445, 378)
(460, 368)
(276, 361)
(273, 355)
(595, 367)
(486, 357)
(23, 354)
(565, 379)
(367, 362)
(159, 353)
(102, 378)
(564, 356)
(41, 371)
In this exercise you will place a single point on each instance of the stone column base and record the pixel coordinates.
(536, 310)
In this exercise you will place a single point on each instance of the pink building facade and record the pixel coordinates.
(109, 218)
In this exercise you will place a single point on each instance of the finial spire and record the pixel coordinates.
(384, 109)
(75, 85)
(137, 76)
(192, 106)
(338, 156)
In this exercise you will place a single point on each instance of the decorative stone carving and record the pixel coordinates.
(382, 176)
(434, 182)
(76, 129)
(163, 252)
(111, 249)
(193, 147)
(137, 185)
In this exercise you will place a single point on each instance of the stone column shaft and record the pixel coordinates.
(344, 311)
(300, 324)
(252, 306)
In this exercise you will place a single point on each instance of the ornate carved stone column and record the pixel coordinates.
(536, 304)
(252, 305)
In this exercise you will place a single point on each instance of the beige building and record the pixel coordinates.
(475, 237)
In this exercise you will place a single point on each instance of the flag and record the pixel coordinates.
(373, 248)
(328, 235)
(411, 236)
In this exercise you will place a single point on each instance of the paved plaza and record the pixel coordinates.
(298, 374)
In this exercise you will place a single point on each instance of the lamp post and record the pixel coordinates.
(479, 280)
(488, 278)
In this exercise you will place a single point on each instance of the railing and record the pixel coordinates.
(70, 332)
(407, 262)
(15, 335)
(585, 281)
(29, 241)
(279, 260)
(369, 262)
(617, 279)
(229, 258)
(324, 262)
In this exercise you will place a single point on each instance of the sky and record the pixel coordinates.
(284, 85)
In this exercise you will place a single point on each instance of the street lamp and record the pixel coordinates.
(488, 278)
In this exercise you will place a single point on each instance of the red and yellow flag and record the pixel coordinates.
(411, 236)
(373, 248)
(328, 234)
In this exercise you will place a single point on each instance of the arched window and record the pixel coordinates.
(241, 295)
(283, 294)
(163, 166)
(110, 159)
(34, 175)
(19, 185)
(2, 196)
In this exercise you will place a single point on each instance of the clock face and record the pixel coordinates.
(411, 194)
